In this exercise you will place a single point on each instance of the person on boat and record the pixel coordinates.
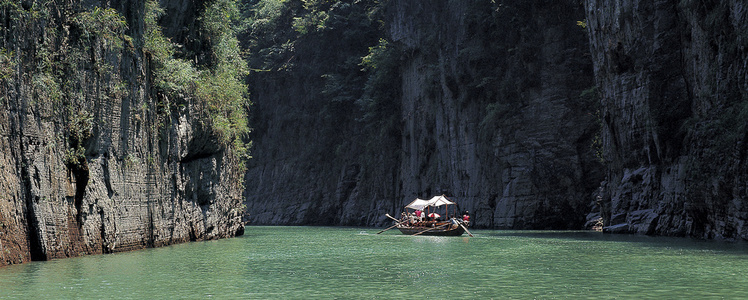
(411, 219)
(453, 223)
(404, 218)
(466, 217)
(419, 215)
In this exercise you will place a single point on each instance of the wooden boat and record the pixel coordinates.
(431, 225)
(439, 229)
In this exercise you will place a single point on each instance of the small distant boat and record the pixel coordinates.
(424, 220)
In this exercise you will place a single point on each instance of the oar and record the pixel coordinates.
(432, 228)
(393, 226)
(388, 215)
(463, 227)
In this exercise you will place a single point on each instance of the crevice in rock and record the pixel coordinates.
(193, 234)
(196, 156)
(150, 240)
(35, 245)
(239, 231)
(108, 180)
(80, 172)
(32, 224)
(102, 233)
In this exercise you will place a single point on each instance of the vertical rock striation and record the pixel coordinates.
(674, 86)
(492, 110)
(488, 107)
(91, 163)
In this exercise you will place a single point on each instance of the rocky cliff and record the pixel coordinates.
(530, 114)
(502, 126)
(490, 104)
(674, 86)
(94, 158)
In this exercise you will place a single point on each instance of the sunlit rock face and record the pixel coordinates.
(89, 163)
(674, 87)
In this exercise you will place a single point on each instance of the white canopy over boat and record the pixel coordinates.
(420, 204)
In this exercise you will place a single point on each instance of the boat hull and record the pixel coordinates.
(411, 230)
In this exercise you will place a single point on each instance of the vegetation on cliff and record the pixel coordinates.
(75, 36)
(320, 45)
(361, 102)
(119, 117)
(309, 68)
(216, 83)
(517, 108)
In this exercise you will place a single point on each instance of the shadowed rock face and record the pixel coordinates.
(142, 178)
(674, 87)
(515, 151)
(489, 111)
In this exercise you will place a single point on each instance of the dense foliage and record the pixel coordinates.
(86, 47)
(217, 84)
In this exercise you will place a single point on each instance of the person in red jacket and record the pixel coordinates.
(419, 215)
(466, 217)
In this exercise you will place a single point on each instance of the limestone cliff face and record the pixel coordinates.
(507, 136)
(490, 109)
(674, 87)
(90, 162)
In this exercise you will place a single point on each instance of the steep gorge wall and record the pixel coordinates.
(91, 163)
(490, 109)
(674, 86)
(308, 160)
(506, 133)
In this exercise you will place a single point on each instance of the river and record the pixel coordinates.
(356, 263)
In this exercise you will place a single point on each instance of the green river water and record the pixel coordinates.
(355, 263)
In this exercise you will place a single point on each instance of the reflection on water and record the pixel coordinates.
(324, 262)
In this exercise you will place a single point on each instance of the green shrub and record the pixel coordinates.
(105, 24)
(7, 70)
(221, 88)
(175, 77)
(79, 129)
(382, 63)
(7, 64)
(155, 43)
(218, 85)
(224, 97)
